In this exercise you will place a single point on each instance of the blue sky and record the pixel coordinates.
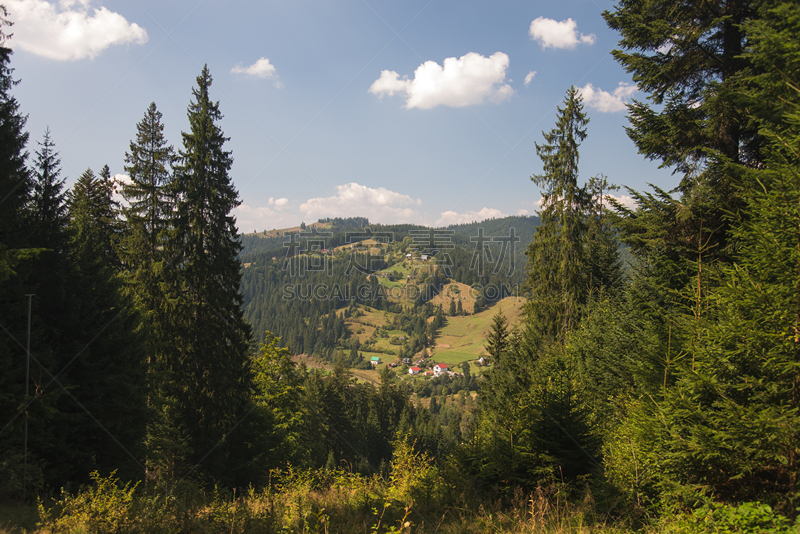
(412, 111)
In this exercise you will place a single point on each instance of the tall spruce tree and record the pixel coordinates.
(15, 184)
(725, 421)
(689, 59)
(15, 190)
(210, 377)
(148, 216)
(49, 206)
(149, 166)
(556, 255)
(534, 420)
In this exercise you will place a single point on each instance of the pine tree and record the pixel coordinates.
(498, 341)
(725, 424)
(556, 255)
(49, 207)
(102, 366)
(210, 376)
(149, 166)
(690, 60)
(15, 188)
(15, 185)
(93, 214)
(148, 217)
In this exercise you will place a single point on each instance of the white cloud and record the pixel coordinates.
(451, 217)
(466, 81)
(378, 205)
(70, 31)
(625, 200)
(117, 181)
(529, 77)
(606, 102)
(521, 212)
(261, 69)
(249, 218)
(554, 34)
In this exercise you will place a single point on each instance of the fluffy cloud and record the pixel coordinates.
(70, 31)
(466, 81)
(555, 34)
(521, 212)
(625, 200)
(117, 182)
(273, 215)
(604, 101)
(529, 77)
(378, 205)
(261, 69)
(451, 217)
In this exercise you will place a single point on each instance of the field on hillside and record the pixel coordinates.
(456, 291)
(462, 339)
(281, 231)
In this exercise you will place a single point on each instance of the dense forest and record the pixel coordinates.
(150, 379)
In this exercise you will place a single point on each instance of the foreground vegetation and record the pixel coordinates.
(337, 501)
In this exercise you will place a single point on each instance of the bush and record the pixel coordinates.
(724, 518)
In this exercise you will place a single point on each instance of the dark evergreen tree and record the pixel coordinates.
(689, 59)
(102, 411)
(149, 166)
(210, 380)
(49, 207)
(148, 216)
(15, 184)
(499, 339)
(557, 255)
(15, 188)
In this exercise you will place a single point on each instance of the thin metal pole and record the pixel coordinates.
(27, 386)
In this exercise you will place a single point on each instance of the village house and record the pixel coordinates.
(375, 360)
(414, 370)
(440, 368)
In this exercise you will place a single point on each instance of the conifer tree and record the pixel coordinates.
(556, 255)
(725, 423)
(689, 59)
(49, 207)
(103, 364)
(210, 378)
(148, 216)
(15, 189)
(498, 341)
(15, 185)
(149, 166)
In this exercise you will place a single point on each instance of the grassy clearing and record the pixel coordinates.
(462, 339)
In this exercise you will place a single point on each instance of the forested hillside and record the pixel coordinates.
(163, 372)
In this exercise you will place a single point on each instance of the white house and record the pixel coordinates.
(440, 369)
(414, 370)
